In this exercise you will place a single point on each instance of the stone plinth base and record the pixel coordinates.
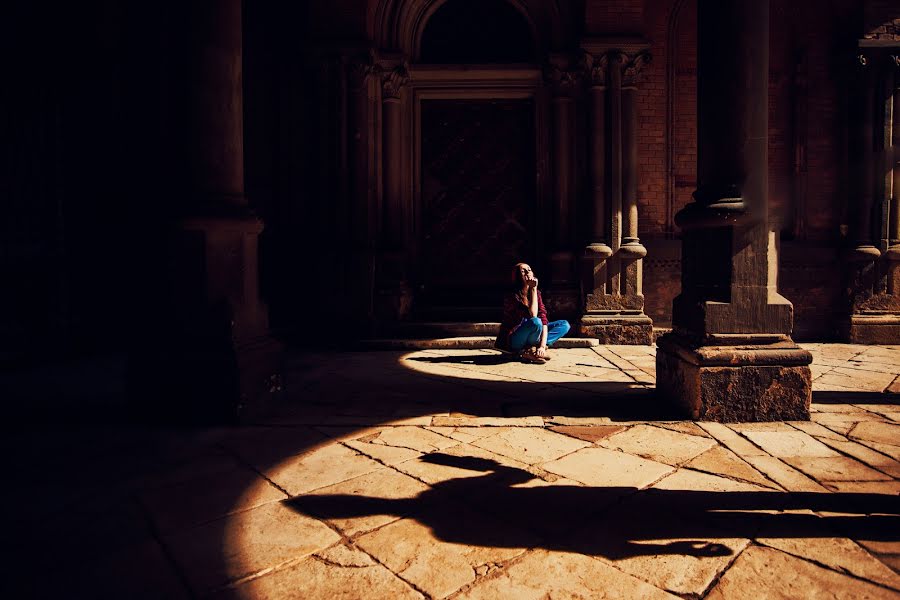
(617, 329)
(759, 382)
(873, 329)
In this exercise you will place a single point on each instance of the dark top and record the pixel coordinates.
(514, 312)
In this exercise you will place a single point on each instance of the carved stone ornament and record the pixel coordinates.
(595, 67)
(392, 81)
(633, 68)
(563, 80)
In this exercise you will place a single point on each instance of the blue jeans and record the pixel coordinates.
(529, 333)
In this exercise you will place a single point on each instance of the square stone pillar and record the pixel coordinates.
(211, 358)
(730, 356)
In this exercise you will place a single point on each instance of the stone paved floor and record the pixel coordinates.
(456, 473)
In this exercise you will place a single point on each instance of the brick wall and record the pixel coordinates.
(806, 147)
(881, 20)
(614, 17)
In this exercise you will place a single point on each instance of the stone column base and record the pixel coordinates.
(737, 383)
(618, 329)
(260, 376)
(873, 329)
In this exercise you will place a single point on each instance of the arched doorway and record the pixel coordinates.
(476, 160)
(477, 112)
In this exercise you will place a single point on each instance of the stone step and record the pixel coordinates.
(459, 343)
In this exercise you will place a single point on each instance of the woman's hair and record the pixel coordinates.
(517, 283)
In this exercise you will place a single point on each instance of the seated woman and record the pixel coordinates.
(525, 329)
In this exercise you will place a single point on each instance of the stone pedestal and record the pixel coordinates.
(736, 383)
(730, 356)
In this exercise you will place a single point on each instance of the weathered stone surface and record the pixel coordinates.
(441, 562)
(412, 438)
(731, 440)
(788, 478)
(789, 443)
(530, 447)
(818, 431)
(684, 427)
(868, 456)
(487, 422)
(586, 433)
(380, 485)
(686, 479)
(733, 394)
(544, 574)
(465, 434)
(838, 468)
(436, 472)
(207, 498)
(840, 554)
(607, 332)
(721, 461)
(657, 444)
(881, 433)
(607, 468)
(262, 446)
(326, 466)
(267, 536)
(761, 572)
(338, 572)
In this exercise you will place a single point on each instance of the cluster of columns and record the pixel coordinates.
(730, 356)
(873, 261)
(612, 258)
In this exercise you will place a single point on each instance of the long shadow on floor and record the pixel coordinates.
(651, 522)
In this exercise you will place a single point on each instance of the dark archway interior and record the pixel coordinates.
(491, 31)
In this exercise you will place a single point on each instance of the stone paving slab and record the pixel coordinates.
(767, 573)
(544, 574)
(453, 473)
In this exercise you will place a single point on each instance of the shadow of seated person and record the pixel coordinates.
(512, 507)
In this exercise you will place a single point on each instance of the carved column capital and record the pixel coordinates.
(563, 76)
(633, 67)
(595, 67)
(393, 80)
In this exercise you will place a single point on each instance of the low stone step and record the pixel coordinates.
(459, 343)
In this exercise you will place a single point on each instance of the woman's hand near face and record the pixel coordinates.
(531, 282)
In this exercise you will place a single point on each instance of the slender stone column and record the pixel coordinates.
(597, 251)
(564, 79)
(212, 359)
(730, 356)
(873, 263)
(614, 303)
(394, 295)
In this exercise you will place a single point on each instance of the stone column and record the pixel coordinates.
(872, 268)
(563, 78)
(614, 302)
(362, 97)
(222, 357)
(893, 161)
(394, 295)
(730, 356)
